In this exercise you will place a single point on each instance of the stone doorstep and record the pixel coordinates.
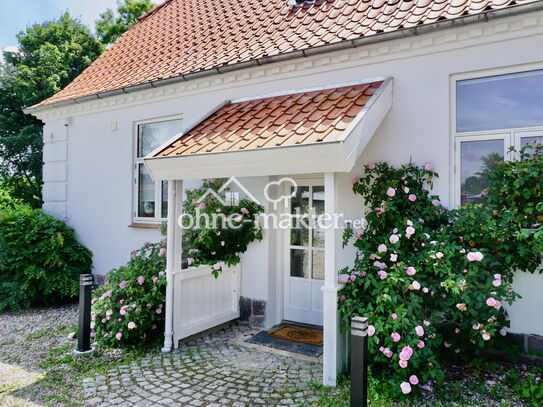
(530, 344)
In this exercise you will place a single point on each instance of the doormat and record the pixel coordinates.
(297, 334)
(264, 339)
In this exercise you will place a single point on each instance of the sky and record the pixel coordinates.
(16, 15)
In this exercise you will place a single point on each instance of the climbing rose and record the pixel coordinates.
(162, 252)
(406, 388)
(394, 316)
(497, 283)
(475, 256)
(146, 244)
(131, 325)
(411, 271)
(383, 274)
(371, 166)
(435, 202)
(428, 166)
(382, 248)
(123, 283)
(141, 280)
(414, 379)
(412, 197)
(486, 336)
(420, 344)
(402, 363)
(343, 278)
(491, 302)
(391, 192)
(355, 180)
(155, 279)
(371, 330)
(395, 336)
(419, 330)
(393, 257)
(394, 239)
(159, 310)
(416, 285)
(406, 353)
(439, 255)
(409, 231)
(119, 335)
(341, 298)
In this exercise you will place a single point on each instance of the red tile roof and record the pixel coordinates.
(286, 120)
(187, 36)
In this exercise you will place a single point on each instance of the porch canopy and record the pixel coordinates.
(305, 132)
(309, 131)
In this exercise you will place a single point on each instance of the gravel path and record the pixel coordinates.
(25, 340)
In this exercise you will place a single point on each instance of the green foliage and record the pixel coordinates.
(111, 25)
(40, 259)
(6, 197)
(425, 284)
(128, 310)
(50, 56)
(225, 241)
(527, 384)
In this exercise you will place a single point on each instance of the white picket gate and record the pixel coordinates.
(202, 301)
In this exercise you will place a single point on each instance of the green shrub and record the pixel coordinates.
(426, 286)
(129, 309)
(40, 259)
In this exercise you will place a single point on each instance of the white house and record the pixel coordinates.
(191, 92)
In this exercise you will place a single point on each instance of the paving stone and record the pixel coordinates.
(206, 372)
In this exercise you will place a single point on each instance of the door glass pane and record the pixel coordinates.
(152, 135)
(532, 141)
(164, 186)
(318, 205)
(299, 263)
(318, 264)
(478, 159)
(146, 193)
(300, 207)
(500, 102)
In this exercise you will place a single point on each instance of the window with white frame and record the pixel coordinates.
(493, 113)
(151, 197)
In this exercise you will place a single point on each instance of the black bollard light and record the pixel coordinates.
(359, 362)
(85, 291)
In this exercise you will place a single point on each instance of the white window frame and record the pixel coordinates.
(136, 161)
(512, 136)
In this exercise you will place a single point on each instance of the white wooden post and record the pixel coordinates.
(171, 254)
(333, 346)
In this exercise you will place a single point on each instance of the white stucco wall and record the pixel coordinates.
(88, 167)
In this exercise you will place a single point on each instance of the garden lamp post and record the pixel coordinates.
(85, 290)
(359, 362)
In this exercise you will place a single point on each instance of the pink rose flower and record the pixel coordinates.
(416, 285)
(382, 274)
(412, 197)
(413, 380)
(497, 283)
(428, 166)
(343, 278)
(355, 180)
(382, 248)
(421, 344)
(161, 273)
(341, 298)
(394, 239)
(371, 330)
(395, 336)
(436, 202)
(402, 363)
(190, 261)
(486, 336)
(123, 283)
(475, 256)
(119, 335)
(358, 234)
(409, 231)
(419, 330)
(406, 388)
(159, 310)
(154, 279)
(406, 353)
(393, 257)
(391, 192)
(394, 316)
(162, 252)
(352, 278)
(388, 353)
(371, 166)
(411, 271)
(141, 280)
(131, 325)
(491, 302)
(439, 255)
(201, 205)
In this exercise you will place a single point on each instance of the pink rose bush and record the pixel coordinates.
(124, 310)
(410, 233)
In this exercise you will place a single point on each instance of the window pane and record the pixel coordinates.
(299, 207)
(318, 264)
(478, 158)
(500, 102)
(146, 193)
(531, 141)
(299, 263)
(152, 135)
(318, 205)
(164, 186)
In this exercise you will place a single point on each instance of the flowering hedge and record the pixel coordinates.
(425, 287)
(129, 309)
(224, 243)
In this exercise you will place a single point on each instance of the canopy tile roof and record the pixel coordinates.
(182, 37)
(286, 120)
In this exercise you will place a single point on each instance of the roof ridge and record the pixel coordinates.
(154, 10)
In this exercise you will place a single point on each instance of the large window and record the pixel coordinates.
(493, 113)
(151, 197)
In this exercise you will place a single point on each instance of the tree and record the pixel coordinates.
(110, 26)
(50, 56)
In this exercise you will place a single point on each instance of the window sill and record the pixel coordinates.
(144, 225)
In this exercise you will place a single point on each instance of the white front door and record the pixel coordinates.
(304, 257)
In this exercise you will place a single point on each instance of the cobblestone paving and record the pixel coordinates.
(211, 371)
